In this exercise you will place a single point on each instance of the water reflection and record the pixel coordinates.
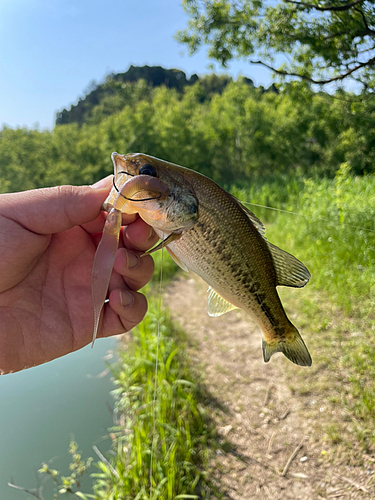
(43, 407)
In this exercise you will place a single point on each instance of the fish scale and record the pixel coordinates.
(207, 230)
(243, 271)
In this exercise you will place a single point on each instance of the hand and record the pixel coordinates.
(48, 239)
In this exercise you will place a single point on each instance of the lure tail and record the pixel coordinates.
(103, 265)
(292, 346)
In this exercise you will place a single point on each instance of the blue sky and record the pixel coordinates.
(50, 51)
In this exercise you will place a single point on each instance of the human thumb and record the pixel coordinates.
(55, 209)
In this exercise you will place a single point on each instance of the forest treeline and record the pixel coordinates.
(235, 134)
(103, 99)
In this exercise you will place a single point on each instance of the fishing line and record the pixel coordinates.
(306, 217)
(156, 362)
(131, 199)
(125, 172)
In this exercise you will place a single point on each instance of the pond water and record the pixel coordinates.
(42, 408)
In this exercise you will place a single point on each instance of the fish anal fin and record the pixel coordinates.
(177, 260)
(289, 270)
(294, 349)
(216, 305)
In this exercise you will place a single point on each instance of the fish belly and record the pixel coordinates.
(238, 269)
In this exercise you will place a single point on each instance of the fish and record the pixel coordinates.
(208, 231)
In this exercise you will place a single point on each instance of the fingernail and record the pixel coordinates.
(132, 260)
(126, 298)
(151, 233)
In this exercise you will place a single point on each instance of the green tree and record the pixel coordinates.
(329, 40)
(24, 158)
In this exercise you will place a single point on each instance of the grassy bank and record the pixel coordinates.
(334, 235)
(162, 435)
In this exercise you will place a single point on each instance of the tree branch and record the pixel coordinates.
(368, 29)
(343, 33)
(332, 8)
(317, 82)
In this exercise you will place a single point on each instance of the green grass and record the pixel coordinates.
(163, 438)
(169, 269)
(163, 434)
(334, 235)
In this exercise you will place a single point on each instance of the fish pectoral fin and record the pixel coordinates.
(289, 270)
(164, 243)
(293, 348)
(216, 305)
(177, 260)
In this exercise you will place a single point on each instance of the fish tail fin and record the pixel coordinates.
(292, 346)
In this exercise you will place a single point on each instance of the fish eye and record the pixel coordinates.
(147, 169)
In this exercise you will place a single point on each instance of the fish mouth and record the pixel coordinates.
(139, 188)
(116, 160)
(160, 201)
(147, 188)
(151, 184)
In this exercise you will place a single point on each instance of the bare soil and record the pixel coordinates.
(272, 445)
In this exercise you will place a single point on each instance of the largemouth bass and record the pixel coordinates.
(208, 231)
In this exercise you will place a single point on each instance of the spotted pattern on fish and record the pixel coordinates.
(224, 243)
(209, 245)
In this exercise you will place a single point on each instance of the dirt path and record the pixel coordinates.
(259, 419)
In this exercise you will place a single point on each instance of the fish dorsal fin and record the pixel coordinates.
(256, 222)
(177, 260)
(289, 270)
(254, 219)
(217, 305)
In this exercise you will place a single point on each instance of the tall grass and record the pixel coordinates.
(162, 432)
(334, 235)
